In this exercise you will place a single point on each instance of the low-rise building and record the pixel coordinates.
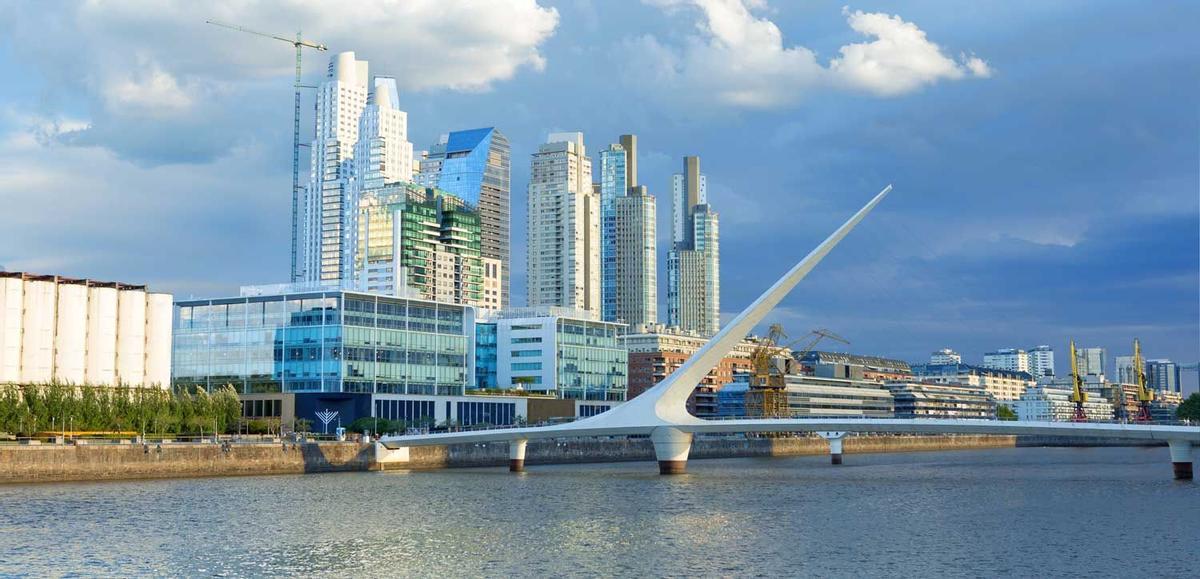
(855, 366)
(925, 400)
(1045, 404)
(1011, 359)
(83, 331)
(561, 352)
(945, 356)
(1003, 385)
(655, 351)
(815, 397)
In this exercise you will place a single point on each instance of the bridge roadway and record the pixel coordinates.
(661, 411)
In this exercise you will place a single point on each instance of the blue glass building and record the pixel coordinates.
(475, 166)
(613, 184)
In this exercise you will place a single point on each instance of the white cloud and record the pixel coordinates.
(151, 69)
(738, 58)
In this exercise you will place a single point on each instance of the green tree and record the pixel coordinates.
(1190, 409)
(227, 407)
(1003, 412)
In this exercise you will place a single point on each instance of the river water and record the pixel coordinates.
(1012, 512)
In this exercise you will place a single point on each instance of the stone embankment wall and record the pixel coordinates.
(619, 450)
(48, 463)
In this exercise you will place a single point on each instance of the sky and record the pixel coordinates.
(1045, 155)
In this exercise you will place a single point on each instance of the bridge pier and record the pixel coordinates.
(516, 455)
(671, 448)
(835, 445)
(1181, 458)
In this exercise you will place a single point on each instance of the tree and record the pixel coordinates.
(1003, 412)
(1190, 409)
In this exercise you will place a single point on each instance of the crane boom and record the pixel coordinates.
(292, 41)
(1145, 395)
(300, 44)
(1078, 393)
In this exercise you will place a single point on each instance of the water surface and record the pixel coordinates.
(1015, 512)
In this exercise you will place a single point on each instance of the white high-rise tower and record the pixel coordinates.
(340, 103)
(564, 226)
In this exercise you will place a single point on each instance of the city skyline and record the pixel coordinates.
(945, 277)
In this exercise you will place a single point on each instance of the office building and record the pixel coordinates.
(475, 166)
(1041, 361)
(815, 397)
(552, 351)
(693, 263)
(1009, 359)
(1163, 375)
(945, 356)
(1046, 404)
(655, 352)
(564, 227)
(1091, 361)
(82, 331)
(1003, 385)
(420, 242)
(1123, 365)
(614, 183)
(923, 400)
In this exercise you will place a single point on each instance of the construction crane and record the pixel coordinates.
(1079, 394)
(300, 44)
(1145, 395)
(767, 396)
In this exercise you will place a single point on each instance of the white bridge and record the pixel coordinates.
(661, 412)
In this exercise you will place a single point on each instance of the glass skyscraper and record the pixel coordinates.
(613, 184)
(475, 166)
(694, 262)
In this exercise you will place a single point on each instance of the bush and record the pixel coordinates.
(1190, 409)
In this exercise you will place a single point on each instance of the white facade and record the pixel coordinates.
(636, 259)
(76, 331)
(945, 356)
(1054, 405)
(1041, 361)
(564, 227)
(1009, 359)
(493, 284)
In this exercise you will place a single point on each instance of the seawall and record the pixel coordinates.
(54, 463)
(57, 463)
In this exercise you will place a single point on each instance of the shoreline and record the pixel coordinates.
(112, 462)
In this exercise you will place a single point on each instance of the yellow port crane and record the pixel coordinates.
(767, 396)
(1079, 394)
(1145, 395)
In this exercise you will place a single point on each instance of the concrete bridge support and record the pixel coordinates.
(388, 457)
(1181, 459)
(671, 448)
(835, 439)
(516, 455)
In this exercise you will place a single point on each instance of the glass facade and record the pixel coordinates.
(592, 365)
(485, 356)
(612, 185)
(323, 342)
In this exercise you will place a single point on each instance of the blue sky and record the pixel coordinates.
(1044, 153)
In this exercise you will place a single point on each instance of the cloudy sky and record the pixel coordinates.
(1044, 154)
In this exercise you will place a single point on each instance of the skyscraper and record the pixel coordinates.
(564, 226)
(382, 155)
(618, 177)
(1163, 375)
(1041, 361)
(636, 263)
(419, 242)
(693, 264)
(361, 142)
(475, 166)
(1091, 361)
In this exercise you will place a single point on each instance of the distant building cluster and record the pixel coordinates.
(399, 302)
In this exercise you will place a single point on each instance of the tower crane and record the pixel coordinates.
(300, 44)
(1079, 394)
(1145, 395)
(767, 396)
